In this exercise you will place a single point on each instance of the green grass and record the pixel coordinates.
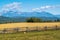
(43, 35)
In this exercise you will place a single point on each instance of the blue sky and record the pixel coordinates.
(52, 6)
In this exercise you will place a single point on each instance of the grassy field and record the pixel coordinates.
(42, 35)
(13, 25)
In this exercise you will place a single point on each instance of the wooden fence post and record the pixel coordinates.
(27, 29)
(16, 29)
(37, 28)
(4, 30)
(45, 28)
(56, 27)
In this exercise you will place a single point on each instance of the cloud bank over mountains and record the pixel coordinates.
(45, 8)
(16, 7)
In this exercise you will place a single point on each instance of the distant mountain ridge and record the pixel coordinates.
(30, 14)
(22, 16)
(58, 16)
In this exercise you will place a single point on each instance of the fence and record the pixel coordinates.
(28, 29)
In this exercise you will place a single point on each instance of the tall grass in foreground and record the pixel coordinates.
(42, 35)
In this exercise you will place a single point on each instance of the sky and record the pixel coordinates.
(52, 6)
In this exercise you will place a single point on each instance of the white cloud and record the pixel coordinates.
(35, 9)
(15, 6)
(45, 8)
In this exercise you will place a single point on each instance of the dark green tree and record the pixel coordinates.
(33, 19)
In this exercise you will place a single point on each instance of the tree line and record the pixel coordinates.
(34, 19)
(30, 19)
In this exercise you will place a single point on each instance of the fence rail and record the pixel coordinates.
(28, 29)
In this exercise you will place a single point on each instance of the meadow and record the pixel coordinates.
(42, 35)
(14, 25)
(32, 35)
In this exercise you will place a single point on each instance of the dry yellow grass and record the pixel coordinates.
(13, 25)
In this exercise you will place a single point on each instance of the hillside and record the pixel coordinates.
(22, 16)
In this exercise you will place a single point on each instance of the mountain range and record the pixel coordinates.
(22, 16)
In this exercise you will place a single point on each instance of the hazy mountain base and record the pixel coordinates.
(23, 16)
(24, 19)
